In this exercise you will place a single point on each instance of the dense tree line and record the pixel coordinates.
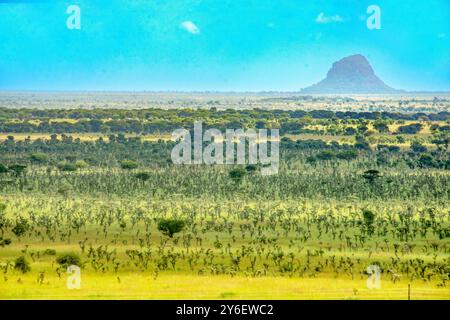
(148, 121)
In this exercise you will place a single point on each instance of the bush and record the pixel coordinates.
(426, 161)
(417, 147)
(381, 126)
(371, 175)
(368, 217)
(250, 168)
(4, 242)
(17, 169)
(21, 264)
(144, 176)
(169, 227)
(390, 148)
(67, 166)
(80, 164)
(237, 174)
(65, 188)
(21, 227)
(368, 221)
(347, 154)
(3, 168)
(325, 155)
(128, 164)
(38, 157)
(410, 129)
(68, 259)
(350, 131)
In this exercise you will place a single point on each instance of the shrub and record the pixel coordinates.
(426, 161)
(371, 175)
(21, 227)
(169, 227)
(21, 264)
(410, 128)
(65, 188)
(3, 168)
(390, 148)
(80, 164)
(237, 174)
(369, 219)
(250, 168)
(4, 242)
(417, 147)
(325, 155)
(68, 259)
(381, 126)
(38, 157)
(350, 131)
(67, 166)
(17, 169)
(347, 154)
(144, 176)
(128, 164)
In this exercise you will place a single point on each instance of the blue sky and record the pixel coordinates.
(225, 45)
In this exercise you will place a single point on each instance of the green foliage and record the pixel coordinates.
(325, 155)
(381, 126)
(129, 164)
(21, 264)
(347, 155)
(67, 166)
(371, 175)
(143, 176)
(38, 157)
(250, 168)
(3, 168)
(426, 161)
(80, 164)
(169, 227)
(410, 129)
(65, 188)
(68, 259)
(18, 169)
(237, 174)
(417, 147)
(49, 252)
(21, 227)
(4, 242)
(441, 140)
(369, 219)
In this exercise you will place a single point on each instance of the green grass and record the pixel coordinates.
(205, 280)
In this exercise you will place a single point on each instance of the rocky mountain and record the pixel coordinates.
(352, 74)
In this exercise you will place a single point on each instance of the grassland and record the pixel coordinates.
(348, 195)
(213, 275)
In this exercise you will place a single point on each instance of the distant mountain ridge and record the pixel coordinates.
(352, 74)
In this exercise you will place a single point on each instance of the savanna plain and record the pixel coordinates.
(86, 179)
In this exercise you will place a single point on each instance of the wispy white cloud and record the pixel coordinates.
(190, 27)
(322, 18)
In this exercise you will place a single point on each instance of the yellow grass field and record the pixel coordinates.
(183, 286)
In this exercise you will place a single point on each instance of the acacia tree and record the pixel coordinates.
(169, 227)
(237, 174)
(371, 175)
